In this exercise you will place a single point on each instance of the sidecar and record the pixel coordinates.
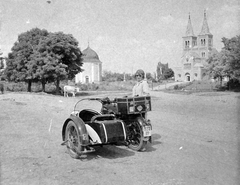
(95, 122)
(87, 127)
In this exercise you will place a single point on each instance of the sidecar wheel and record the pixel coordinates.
(136, 137)
(72, 136)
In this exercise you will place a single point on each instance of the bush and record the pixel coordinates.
(16, 87)
(175, 87)
(233, 84)
(22, 87)
(221, 88)
(87, 87)
(51, 87)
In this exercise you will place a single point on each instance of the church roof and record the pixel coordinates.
(213, 51)
(205, 28)
(190, 54)
(198, 65)
(189, 31)
(90, 55)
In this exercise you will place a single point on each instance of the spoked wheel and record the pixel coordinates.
(73, 142)
(136, 137)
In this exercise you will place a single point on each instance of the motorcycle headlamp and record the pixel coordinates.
(139, 108)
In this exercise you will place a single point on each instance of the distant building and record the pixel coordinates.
(2, 64)
(92, 67)
(196, 50)
(160, 70)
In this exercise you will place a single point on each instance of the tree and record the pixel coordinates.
(164, 72)
(1, 66)
(168, 73)
(231, 51)
(61, 58)
(160, 70)
(149, 76)
(42, 56)
(21, 63)
(216, 66)
(1, 61)
(226, 62)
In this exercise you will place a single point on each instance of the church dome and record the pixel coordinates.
(89, 54)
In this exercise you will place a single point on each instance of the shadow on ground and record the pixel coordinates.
(114, 152)
(109, 152)
(155, 141)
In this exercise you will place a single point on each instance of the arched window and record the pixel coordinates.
(203, 42)
(186, 44)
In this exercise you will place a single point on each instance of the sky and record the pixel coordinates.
(126, 34)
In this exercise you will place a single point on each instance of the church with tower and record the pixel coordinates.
(196, 50)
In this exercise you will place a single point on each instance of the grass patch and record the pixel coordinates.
(212, 94)
(86, 89)
(196, 87)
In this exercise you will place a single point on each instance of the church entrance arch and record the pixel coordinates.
(187, 77)
(86, 79)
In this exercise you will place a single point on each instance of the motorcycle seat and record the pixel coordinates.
(103, 117)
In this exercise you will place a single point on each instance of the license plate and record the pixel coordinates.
(147, 131)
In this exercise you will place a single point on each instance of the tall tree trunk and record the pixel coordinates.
(230, 83)
(221, 81)
(57, 86)
(29, 85)
(43, 85)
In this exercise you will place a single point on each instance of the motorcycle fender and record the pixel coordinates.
(81, 128)
(143, 123)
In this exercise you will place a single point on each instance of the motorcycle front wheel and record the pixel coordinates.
(73, 142)
(136, 139)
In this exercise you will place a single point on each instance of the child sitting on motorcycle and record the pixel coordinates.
(141, 87)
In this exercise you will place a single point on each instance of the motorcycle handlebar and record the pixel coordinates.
(105, 100)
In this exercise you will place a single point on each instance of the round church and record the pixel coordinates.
(92, 68)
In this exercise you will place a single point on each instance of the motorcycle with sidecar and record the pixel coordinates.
(101, 121)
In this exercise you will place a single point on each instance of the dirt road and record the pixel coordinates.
(195, 141)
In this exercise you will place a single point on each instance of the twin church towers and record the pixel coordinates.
(196, 50)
